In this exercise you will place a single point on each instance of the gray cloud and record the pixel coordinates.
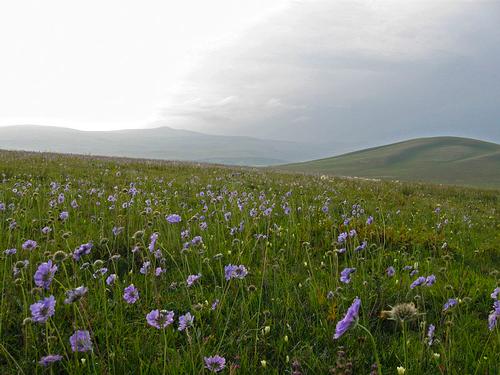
(357, 72)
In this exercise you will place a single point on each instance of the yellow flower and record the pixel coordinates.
(401, 370)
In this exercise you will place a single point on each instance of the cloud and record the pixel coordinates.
(360, 72)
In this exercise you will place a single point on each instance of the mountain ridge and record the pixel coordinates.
(446, 159)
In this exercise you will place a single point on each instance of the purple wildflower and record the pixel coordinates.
(145, 267)
(173, 218)
(83, 249)
(64, 215)
(110, 280)
(46, 230)
(159, 271)
(361, 247)
(215, 304)
(369, 220)
(80, 341)
(342, 237)
(49, 359)
(131, 294)
(160, 319)
(185, 321)
(390, 271)
(495, 293)
(152, 244)
(215, 363)
(10, 251)
(345, 275)
(75, 294)
(192, 279)
(494, 315)
(43, 309)
(430, 334)
(349, 319)
(419, 281)
(44, 274)
(430, 280)
(352, 233)
(29, 245)
(449, 304)
(237, 272)
(117, 230)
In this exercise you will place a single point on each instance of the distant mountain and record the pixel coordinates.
(157, 143)
(448, 160)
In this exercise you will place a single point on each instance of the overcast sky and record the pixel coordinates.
(357, 72)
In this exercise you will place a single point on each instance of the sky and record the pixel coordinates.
(357, 72)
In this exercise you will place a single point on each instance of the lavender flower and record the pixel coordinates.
(117, 230)
(349, 319)
(46, 230)
(430, 334)
(43, 309)
(494, 315)
(185, 321)
(237, 272)
(83, 249)
(29, 245)
(342, 237)
(430, 280)
(369, 220)
(419, 281)
(152, 244)
(131, 294)
(390, 271)
(145, 267)
(80, 341)
(345, 275)
(44, 274)
(160, 319)
(64, 215)
(10, 251)
(449, 304)
(110, 280)
(173, 218)
(215, 304)
(192, 279)
(215, 363)
(49, 359)
(495, 293)
(361, 247)
(75, 294)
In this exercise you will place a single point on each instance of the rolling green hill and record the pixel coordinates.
(447, 160)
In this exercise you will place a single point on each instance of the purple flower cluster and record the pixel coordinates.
(173, 218)
(80, 341)
(192, 279)
(235, 272)
(130, 294)
(45, 274)
(349, 319)
(427, 281)
(42, 310)
(160, 319)
(215, 363)
(345, 275)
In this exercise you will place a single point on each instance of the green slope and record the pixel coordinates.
(447, 160)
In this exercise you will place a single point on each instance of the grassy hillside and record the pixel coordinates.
(157, 143)
(448, 160)
(142, 275)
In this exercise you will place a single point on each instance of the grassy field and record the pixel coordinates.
(154, 267)
(445, 160)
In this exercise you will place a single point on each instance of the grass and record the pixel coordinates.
(446, 160)
(278, 319)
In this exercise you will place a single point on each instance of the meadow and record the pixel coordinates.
(120, 266)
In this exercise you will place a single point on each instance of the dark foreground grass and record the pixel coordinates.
(278, 319)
